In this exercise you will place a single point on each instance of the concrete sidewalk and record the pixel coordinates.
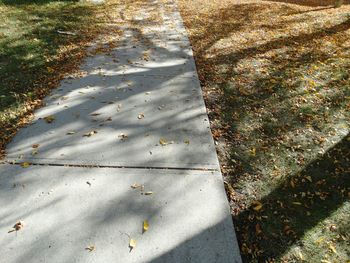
(138, 116)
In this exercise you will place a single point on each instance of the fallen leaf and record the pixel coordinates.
(256, 205)
(49, 118)
(187, 141)
(135, 185)
(70, 133)
(141, 116)
(145, 225)
(132, 243)
(25, 164)
(300, 255)
(88, 134)
(90, 248)
(95, 114)
(148, 193)
(35, 145)
(18, 226)
(332, 248)
(164, 142)
(34, 152)
(252, 151)
(123, 136)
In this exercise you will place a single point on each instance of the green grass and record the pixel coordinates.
(33, 55)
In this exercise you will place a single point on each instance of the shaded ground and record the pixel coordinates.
(276, 81)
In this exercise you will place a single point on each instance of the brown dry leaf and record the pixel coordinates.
(18, 226)
(256, 205)
(123, 136)
(25, 164)
(88, 134)
(90, 248)
(35, 145)
(145, 225)
(132, 243)
(49, 118)
(141, 116)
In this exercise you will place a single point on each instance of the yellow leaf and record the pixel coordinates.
(331, 247)
(50, 70)
(296, 203)
(132, 243)
(300, 255)
(253, 151)
(145, 225)
(320, 240)
(49, 118)
(149, 193)
(164, 142)
(256, 205)
(25, 164)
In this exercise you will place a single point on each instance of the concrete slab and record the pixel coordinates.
(144, 108)
(66, 209)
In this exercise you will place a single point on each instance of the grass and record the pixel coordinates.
(276, 80)
(34, 57)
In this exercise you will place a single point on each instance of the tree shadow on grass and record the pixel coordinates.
(297, 206)
(34, 56)
(37, 2)
(270, 115)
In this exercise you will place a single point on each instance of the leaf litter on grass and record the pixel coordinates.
(275, 79)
